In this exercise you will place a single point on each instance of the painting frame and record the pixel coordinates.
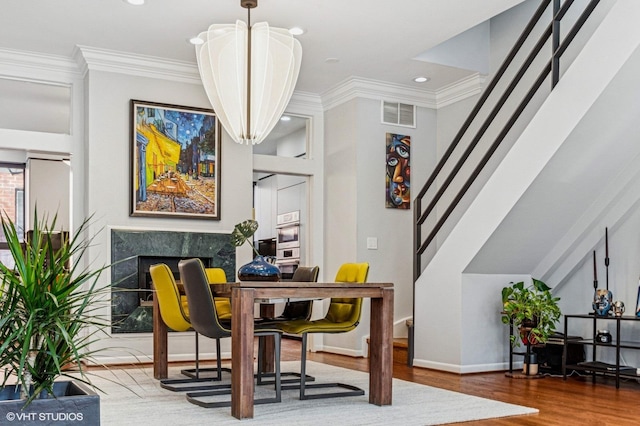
(176, 161)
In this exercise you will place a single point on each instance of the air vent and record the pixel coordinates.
(398, 114)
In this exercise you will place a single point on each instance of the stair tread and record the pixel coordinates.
(400, 342)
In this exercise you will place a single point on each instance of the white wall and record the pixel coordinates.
(485, 348)
(108, 181)
(355, 204)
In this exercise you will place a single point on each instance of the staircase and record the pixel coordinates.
(478, 215)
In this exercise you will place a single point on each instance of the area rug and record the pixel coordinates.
(133, 396)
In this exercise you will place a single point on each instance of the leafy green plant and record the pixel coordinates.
(532, 309)
(243, 232)
(48, 309)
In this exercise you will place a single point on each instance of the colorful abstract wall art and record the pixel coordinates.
(398, 187)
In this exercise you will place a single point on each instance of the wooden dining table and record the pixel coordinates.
(243, 299)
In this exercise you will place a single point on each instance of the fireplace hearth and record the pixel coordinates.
(132, 252)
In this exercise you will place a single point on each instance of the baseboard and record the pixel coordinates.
(462, 369)
(342, 351)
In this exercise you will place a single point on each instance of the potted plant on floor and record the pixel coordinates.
(48, 320)
(532, 309)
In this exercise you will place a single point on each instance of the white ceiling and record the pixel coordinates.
(373, 39)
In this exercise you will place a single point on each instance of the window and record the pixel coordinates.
(11, 203)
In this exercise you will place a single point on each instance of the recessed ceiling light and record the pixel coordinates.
(296, 31)
(135, 2)
(421, 79)
(196, 40)
(285, 118)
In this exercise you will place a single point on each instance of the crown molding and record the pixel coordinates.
(20, 64)
(37, 66)
(305, 101)
(461, 89)
(95, 59)
(355, 87)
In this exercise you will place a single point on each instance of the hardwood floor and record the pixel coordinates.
(575, 401)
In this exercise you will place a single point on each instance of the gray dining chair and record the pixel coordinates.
(204, 320)
(297, 310)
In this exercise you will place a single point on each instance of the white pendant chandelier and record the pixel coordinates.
(249, 73)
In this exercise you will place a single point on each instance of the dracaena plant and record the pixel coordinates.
(243, 232)
(48, 309)
(533, 309)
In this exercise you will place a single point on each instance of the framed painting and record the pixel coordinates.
(398, 177)
(175, 161)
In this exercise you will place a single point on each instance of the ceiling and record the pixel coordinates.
(373, 39)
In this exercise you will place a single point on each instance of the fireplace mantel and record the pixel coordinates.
(126, 245)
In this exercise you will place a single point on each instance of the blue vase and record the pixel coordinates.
(259, 270)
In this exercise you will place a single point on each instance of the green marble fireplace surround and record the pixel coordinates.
(132, 248)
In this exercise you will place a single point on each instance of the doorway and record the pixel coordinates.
(281, 194)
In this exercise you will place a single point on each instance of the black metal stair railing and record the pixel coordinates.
(440, 181)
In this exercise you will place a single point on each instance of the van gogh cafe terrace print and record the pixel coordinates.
(175, 161)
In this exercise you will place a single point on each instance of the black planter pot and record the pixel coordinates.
(530, 323)
(74, 403)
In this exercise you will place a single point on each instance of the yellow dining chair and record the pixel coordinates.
(174, 310)
(223, 304)
(343, 315)
(293, 311)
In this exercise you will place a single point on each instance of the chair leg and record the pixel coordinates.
(303, 366)
(193, 397)
(258, 374)
(219, 361)
(194, 374)
(277, 374)
(261, 375)
(352, 390)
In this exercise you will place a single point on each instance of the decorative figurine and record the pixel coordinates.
(618, 308)
(602, 302)
(603, 298)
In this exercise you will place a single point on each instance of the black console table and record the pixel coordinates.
(594, 366)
